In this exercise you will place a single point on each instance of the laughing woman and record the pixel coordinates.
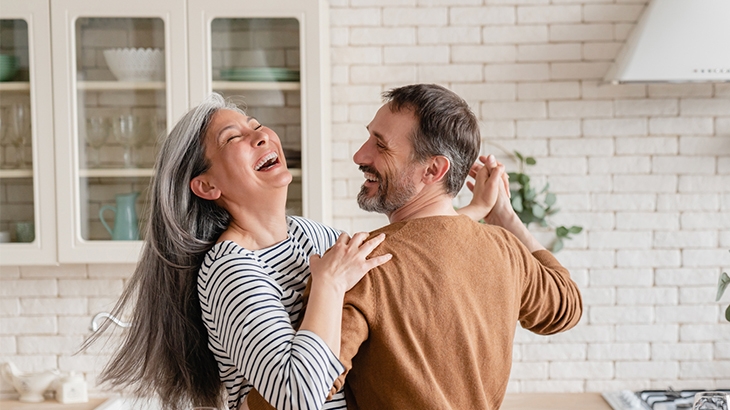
(217, 293)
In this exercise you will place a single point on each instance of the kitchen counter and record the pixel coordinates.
(51, 405)
(554, 401)
(512, 401)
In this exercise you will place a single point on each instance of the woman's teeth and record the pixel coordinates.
(266, 161)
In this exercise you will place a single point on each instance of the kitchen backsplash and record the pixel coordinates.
(645, 169)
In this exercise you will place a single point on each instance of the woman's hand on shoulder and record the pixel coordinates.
(346, 262)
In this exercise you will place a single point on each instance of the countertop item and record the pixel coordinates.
(554, 401)
(51, 404)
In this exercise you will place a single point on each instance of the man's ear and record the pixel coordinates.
(437, 168)
(203, 189)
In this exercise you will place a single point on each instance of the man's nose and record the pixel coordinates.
(362, 156)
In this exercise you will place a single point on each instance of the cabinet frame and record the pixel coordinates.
(72, 248)
(42, 251)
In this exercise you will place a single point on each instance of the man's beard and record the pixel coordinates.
(394, 191)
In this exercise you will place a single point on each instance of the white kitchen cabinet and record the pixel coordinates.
(27, 199)
(231, 47)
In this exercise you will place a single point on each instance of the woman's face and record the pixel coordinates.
(246, 157)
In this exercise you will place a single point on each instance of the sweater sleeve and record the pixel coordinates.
(551, 301)
(355, 329)
(290, 369)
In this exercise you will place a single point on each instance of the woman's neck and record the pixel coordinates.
(258, 224)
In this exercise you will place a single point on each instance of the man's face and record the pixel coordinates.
(385, 158)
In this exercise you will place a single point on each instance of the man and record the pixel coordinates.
(433, 328)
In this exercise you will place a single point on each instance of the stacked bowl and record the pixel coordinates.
(8, 67)
(136, 64)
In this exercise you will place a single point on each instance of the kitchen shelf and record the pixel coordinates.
(116, 172)
(16, 173)
(257, 85)
(15, 86)
(120, 85)
(121, 173)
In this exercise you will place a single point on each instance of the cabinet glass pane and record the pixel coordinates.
(16, 162)
(256, 62)
(120, 69)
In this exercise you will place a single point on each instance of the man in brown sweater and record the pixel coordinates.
(433, 329)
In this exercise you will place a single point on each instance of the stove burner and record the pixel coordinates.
(669, 399)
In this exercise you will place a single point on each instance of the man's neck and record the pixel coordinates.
(423, 205)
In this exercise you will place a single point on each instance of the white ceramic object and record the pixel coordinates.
(71, 388)
(136, 64)
(30, 386)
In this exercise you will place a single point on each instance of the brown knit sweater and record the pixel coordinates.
(433, 328)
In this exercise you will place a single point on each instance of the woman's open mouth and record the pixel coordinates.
(267, 162)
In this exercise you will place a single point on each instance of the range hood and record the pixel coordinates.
(677, 41)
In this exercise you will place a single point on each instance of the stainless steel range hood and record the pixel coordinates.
(677, 41)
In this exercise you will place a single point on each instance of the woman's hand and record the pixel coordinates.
(346, 262)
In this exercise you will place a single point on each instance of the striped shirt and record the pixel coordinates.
(249, 300)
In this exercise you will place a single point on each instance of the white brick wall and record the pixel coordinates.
(644, 168)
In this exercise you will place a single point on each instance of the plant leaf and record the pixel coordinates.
(575, 229)
(727, 314)
(550, 199)
(538, 211)
(530, 194)
(558, 245)
(722, 285)
(523, 179)
(561, 231)
(517, 203)
(530, 161)
(518, 155)
(513, 176)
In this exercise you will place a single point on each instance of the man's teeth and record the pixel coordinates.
(371, 177)
(267, 160)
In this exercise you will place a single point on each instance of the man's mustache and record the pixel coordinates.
(370, 170)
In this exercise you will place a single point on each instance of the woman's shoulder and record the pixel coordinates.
(312, 229)
(227, 256)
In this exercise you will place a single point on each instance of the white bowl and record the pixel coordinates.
(136, 64)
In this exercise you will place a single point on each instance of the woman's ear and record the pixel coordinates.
(437, 168)
(203, 189)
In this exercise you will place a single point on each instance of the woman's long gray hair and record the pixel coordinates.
(165, 351)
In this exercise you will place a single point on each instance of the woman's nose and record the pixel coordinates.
(260, 138)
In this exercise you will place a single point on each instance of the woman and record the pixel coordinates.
(219, 285)
(220, 189)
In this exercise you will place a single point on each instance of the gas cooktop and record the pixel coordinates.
(653, 399)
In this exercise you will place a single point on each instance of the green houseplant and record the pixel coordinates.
(722, 284)
(536, 206)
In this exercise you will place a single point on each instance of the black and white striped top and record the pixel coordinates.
(249, 301)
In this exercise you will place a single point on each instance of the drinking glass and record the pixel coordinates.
(131, 131)
(711, 400)
(18, 132)
(4, 141)
(97, 132)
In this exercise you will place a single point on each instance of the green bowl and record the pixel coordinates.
(8, 67)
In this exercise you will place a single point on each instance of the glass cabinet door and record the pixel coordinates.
(119, 84)
(27, 206)
(269, 57)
